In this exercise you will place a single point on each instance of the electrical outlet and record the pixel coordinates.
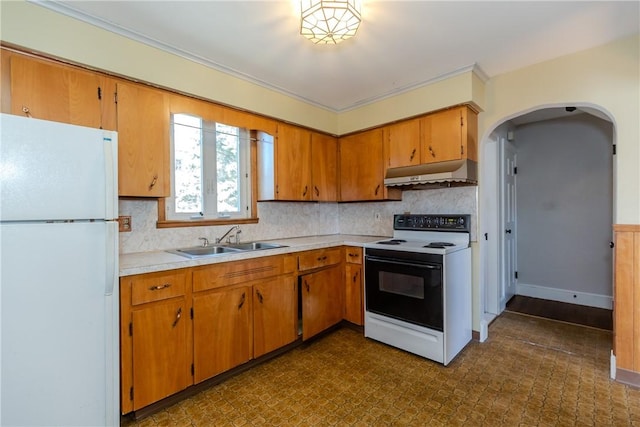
(376, 216)
(124, 223)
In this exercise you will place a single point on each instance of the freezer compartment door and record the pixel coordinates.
(56, 171)
(59, 328)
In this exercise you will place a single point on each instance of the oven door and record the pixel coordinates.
(405, 286)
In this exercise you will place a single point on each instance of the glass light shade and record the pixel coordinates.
(329, 21)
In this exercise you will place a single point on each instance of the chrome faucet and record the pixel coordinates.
(228, 234)
(205, 241)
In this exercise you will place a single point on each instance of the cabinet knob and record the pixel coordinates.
(26, 111)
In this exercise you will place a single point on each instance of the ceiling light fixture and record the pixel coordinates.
(329, 21)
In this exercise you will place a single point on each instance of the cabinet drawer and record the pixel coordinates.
(157, 286)
(353, 254)
(234, 272)
(320, 258)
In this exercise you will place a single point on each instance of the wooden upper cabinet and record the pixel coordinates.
(143, 141)
(292, 163)
(449, 135)
(58, 93)
(324, 167)
(362, 168)
(402, 144)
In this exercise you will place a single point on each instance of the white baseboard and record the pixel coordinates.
(563, 295)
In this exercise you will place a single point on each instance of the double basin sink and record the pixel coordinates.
(206, 251)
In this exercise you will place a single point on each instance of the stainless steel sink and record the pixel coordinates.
(204, 251)
(254, 246)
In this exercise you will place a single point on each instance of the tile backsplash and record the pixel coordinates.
(280, 220)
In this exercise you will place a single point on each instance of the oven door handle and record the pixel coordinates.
(408, 264)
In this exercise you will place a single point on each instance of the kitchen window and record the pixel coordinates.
(210, 170)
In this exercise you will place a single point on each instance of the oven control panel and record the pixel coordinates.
(423, 222)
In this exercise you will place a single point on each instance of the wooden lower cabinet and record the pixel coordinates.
(160, 357)
(181, 327)
(155, 337)
(321, 300)
(222, 330)
(274, 314)
(353, 286)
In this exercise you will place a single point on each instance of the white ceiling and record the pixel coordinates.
(400, 44)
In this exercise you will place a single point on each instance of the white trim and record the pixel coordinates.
(612, 366)
(565, 295)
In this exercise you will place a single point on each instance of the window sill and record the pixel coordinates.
(204, 222)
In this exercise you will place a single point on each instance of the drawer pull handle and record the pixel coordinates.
(306, 284)
(178, 316)
(317, 191)
(159, 287)
(355, 277)
(322, 258)
(353, 255)
(433, 153)
(306, 188)
(377, 189)
(413, 153)
(260, 297)
(244, 296)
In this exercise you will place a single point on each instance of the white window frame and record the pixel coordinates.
(209, 186)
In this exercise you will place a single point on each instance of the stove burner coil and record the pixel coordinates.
(440, 245)
(392, 242)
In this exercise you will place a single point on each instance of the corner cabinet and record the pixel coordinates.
(143, 141)
(296, 165)
(362, 168)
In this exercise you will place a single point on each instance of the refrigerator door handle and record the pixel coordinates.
(111, 177)
(112, 257)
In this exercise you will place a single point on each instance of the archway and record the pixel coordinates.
(492, 278)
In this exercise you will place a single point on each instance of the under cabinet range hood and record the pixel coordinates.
(443, 173)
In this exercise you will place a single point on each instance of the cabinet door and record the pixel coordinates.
(353, 286)
(361, 167)
(293, 163)
(222, 334)
(321, 300)
(324, 167)
(442, 136)
(143, 141)
(161, 365)
(402, 144)
(274, 314)
(55, 92)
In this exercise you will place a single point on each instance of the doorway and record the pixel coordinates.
(556, 246)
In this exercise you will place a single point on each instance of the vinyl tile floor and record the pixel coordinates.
(530, 372)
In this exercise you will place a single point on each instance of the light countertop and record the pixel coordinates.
(149, 262)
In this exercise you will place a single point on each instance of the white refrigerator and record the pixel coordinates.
(58, 274)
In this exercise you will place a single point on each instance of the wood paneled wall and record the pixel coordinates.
(626, 294)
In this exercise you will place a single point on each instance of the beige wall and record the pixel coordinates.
(606, 77)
